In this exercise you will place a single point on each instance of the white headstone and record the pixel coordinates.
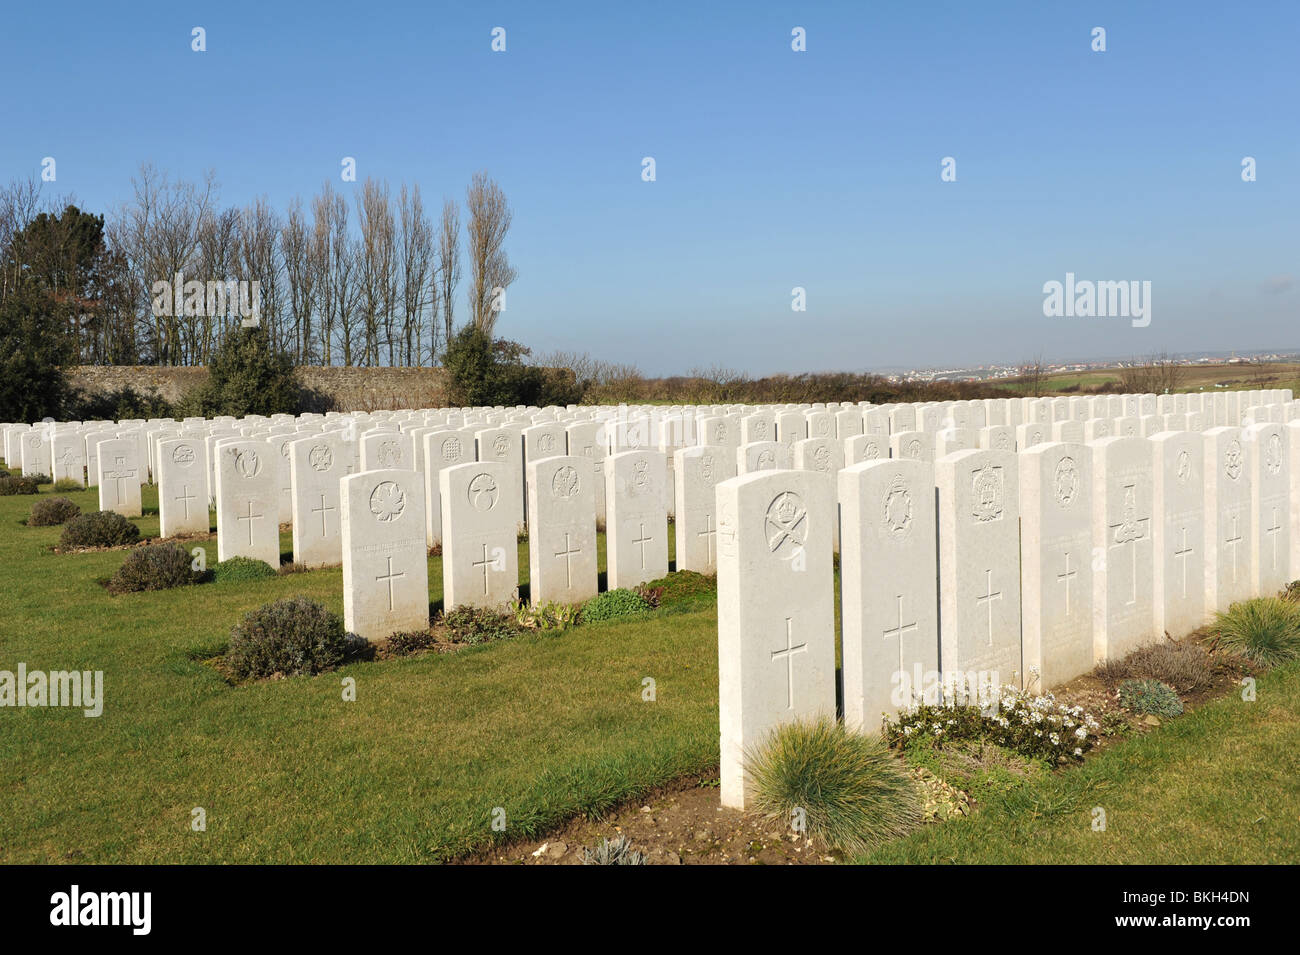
(1123, 514)
(248, 500)
(182, 487)
(1228, 540)
(1268, 457)
(636, 526)
(1056, 563)
(317, 463)
(776, 612)
(562, 530)
(888, 573)
(979, 568)
(119, 476)
(385, 562)
(699, 470)
(1178, 503)
(480, 523)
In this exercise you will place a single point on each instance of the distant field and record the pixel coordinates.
(1224, 376)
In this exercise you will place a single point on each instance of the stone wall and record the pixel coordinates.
(347, 389)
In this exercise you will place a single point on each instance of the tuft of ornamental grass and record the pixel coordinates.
(1265, 630)
(616, 851)
(850, 790)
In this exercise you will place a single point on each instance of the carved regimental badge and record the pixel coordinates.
(897, 508)
(1233, 460)
(565, 483)
(387, 502)
(483, 492)
(986, 495)
(247, 463)
(786, 525)
(1067, 481)
(1273, 454)
(321, 457)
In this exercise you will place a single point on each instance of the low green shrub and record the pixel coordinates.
(614, 603)
(17, 484)
(235, 569)
(154, 567)
(98, 529)
(50, 511)
(295, 635)
(475, 625)
(1265, 631)
(1149, 697)
(845, 788)
(402, 644)
(684, 585)
(67, 484)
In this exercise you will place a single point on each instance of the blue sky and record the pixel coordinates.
(775, 169)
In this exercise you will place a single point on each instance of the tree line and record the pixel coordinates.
(371, 278)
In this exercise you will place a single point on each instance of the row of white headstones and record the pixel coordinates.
(372, 492)
(986, 568)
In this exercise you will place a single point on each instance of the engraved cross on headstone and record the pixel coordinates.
(642, 540)
(709, 534)
(485, 563)
(322, 512)
(988, 597)
(389, 578)
(1234, 541)
(1183, 554)
(1273, 533)
(1068, 576)
(567, 554)
(898, 631)
(250, 518)
(791, 648)
(185, 497)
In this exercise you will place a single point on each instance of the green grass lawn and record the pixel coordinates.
(543, 727)
(1219, 785)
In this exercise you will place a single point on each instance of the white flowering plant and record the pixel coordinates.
(1033, 725)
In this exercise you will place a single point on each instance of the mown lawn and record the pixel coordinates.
(542, 726)
(1218, 785)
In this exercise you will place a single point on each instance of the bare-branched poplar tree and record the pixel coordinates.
(416, 234)
(19, 203)
(342, 269)
(377, 270)
(259, 246)
(300, 280)
(378, 291)
(490, 269)
(449, 264)
(218, 261)
(159, 231)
